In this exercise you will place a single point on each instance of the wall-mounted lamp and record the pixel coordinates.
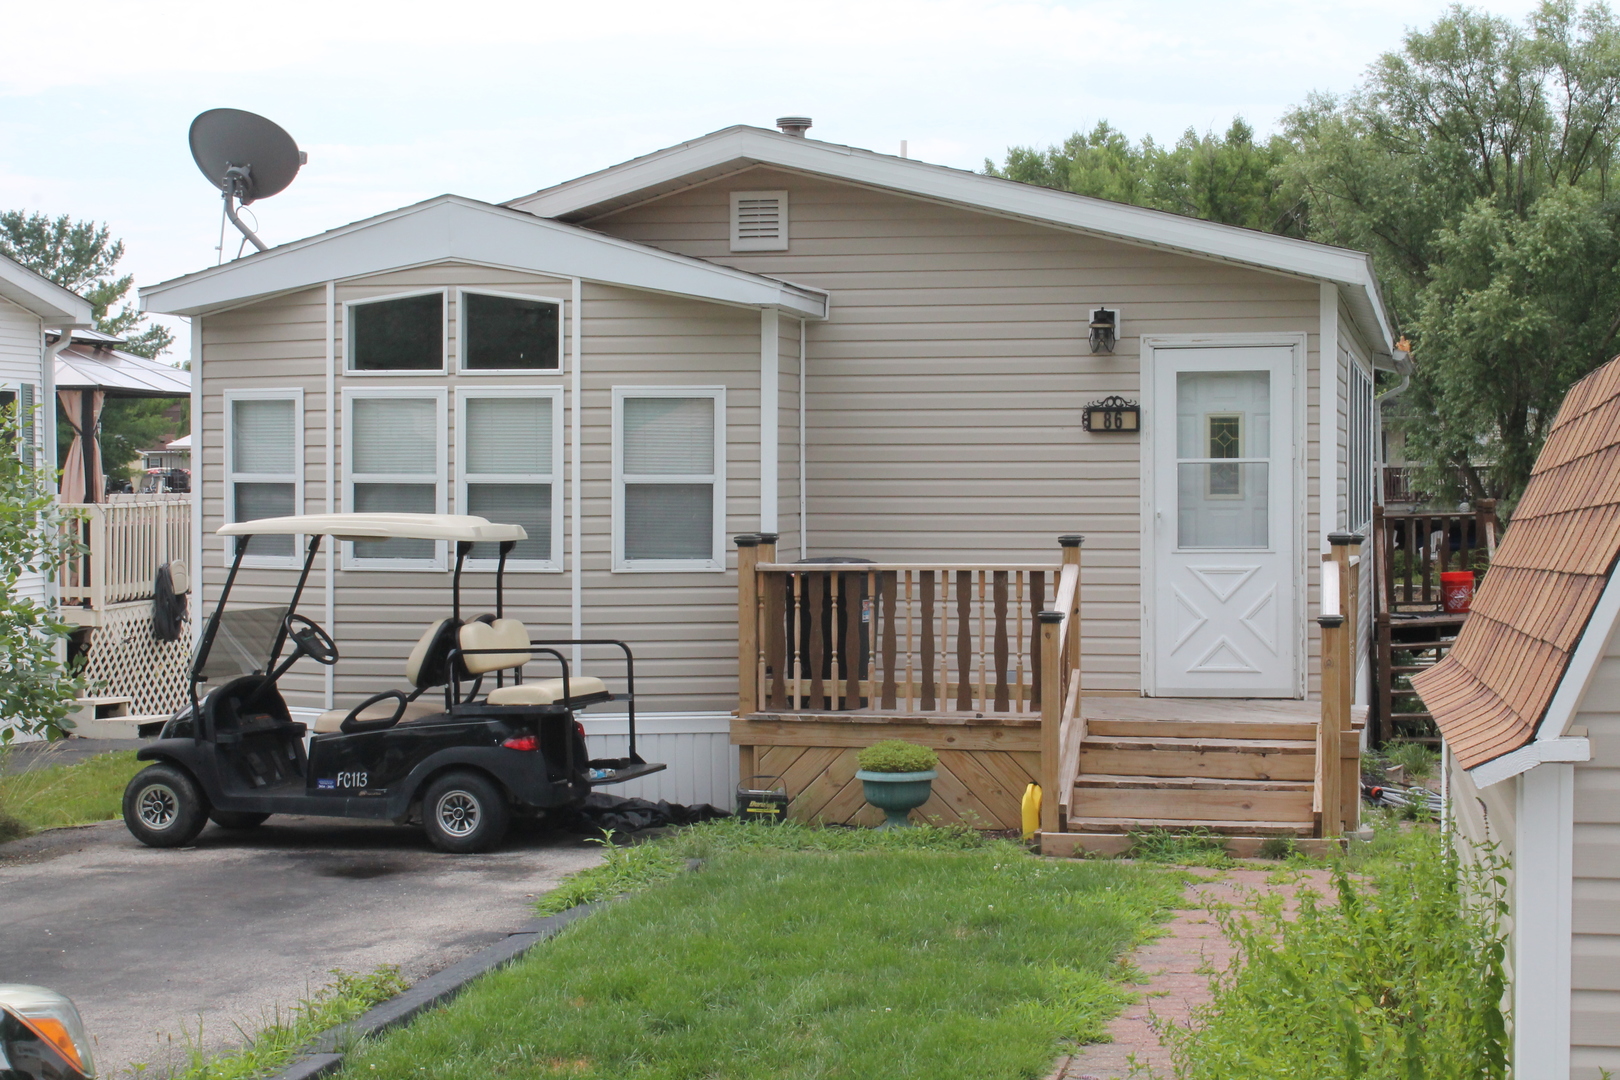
(1104, 329)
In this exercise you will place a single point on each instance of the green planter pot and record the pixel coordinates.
(896, 793)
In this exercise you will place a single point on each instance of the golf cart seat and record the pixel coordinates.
(585, 690)
(331, 721)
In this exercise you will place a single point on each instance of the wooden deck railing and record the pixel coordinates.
(1412, 550)
(1338, 750)
(938, 641)
(126, 542)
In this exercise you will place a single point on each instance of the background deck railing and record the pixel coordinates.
(125, 542)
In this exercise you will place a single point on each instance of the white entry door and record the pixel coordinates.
(1221, 517)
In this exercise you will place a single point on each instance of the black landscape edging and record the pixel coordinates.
(325, 1054)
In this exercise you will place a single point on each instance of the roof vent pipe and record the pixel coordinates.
(793, 125)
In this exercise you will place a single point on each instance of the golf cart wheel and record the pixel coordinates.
(163, 808)
(236, 819)
(464, 813)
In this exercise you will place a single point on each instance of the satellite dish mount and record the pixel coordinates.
(247, 157)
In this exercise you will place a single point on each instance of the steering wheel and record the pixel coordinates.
(310, 640)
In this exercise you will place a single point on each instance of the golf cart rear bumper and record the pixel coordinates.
(617, 771)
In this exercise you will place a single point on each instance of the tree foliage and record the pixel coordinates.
(36, 689)
(83, 257)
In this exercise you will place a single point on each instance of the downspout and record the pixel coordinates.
(336, 545)
(770, 434)
(804, 512)
(576, 533)
(198, 585)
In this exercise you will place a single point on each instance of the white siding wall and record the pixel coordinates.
(21, 361)
(945, 391)
(1595, 961)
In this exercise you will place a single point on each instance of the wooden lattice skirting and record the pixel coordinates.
(983, 769)
(125, 660)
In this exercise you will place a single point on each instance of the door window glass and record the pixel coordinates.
(1223, 443)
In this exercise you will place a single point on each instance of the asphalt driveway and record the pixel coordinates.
(163, 949)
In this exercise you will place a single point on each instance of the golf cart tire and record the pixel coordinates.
(163, 807)
(465, 813)
(236, 819)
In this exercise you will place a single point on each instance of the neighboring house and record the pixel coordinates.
(1529, 704)
(29, 304)
(755, 331)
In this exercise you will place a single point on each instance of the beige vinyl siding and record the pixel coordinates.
(681, 625)
(1595, 959)
(945, 391)
(21, 361)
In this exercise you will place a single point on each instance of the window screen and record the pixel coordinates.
(406, 334)
(506, 333)
(264, 468)
(394, 467)
(669, 475)
(509, 471)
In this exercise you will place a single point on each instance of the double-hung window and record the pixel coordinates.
(669, 479)
(508, 332)
(394, 460)
(394, 334)
(509, 462)
(264, 455)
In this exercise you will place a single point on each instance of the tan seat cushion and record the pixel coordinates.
(332, 719)
(545, 691)
(499, 634)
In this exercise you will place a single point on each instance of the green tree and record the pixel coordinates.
(1231, 178)
(1475, 165)
(82, 256)
(36, 688)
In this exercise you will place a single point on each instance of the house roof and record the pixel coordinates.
(450, 227)
(1491, 693)
(42, 296)
(735, 148)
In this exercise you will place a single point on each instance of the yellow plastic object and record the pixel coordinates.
(1032, 811)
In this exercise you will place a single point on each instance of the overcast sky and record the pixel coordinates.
(401, 100)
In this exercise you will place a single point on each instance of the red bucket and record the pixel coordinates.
(1457, 591)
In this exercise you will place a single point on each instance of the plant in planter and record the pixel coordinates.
(898, 777)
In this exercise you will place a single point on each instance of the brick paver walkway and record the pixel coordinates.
(1178, 967)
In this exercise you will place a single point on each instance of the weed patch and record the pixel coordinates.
(1400, 977)
(345, 998)
(1180, 847)
(57, 795)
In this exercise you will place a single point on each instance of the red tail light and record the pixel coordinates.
(528, 743)
(579, 726)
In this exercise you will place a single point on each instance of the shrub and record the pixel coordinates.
(897, 755)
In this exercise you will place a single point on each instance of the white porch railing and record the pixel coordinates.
(127, 541)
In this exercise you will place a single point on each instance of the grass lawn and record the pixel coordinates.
(48, 798)
(888, 956)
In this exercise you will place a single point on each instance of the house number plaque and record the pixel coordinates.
(1112, 414)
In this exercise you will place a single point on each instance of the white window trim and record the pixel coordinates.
(295, 395)
(461, 335)
(718, 479)
(350, 371)
(554, 478)
(760, 243)
(440, 396)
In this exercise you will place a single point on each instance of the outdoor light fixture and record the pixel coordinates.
(1104, 329)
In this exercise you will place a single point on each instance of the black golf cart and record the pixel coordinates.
(472, 742)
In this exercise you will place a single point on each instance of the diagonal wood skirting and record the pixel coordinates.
(979, 787)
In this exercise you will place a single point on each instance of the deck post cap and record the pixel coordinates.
(769, 538)
(1330, 622)
(1339, 538)
(1049, 617)
(747, 540)
(1071, 540)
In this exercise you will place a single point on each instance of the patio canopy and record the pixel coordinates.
(89, 370)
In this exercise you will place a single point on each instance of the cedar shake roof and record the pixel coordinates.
(1490, 692)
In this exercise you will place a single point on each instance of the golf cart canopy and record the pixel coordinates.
(458, 527)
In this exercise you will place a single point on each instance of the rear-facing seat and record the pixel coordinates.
(509, 639)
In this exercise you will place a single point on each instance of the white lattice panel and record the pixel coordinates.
(127, 661)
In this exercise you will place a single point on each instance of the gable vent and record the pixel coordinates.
(759, 221)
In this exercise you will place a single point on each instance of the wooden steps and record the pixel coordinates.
(1245, 779)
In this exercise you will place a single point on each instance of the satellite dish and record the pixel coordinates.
(246, 156)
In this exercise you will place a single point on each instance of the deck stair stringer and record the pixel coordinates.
(1247, 781)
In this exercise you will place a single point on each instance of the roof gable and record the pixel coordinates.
(45, 298)
(451, 228)
(703, 160)
(1489, 695)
